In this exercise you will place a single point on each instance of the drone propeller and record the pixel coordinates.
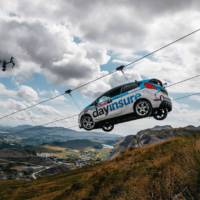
(12, 61)
(5, 63)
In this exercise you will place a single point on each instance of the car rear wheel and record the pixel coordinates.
(143, 108)
(108, 126)
(87, 122)
(160, 114)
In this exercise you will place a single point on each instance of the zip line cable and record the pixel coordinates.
(183, 97)
(75, 115)
(69, 92)
(186, 96)
(187, 79)
(163, 47)
(120, 68)
(189, 95)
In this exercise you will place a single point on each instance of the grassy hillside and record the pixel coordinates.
(170, 170)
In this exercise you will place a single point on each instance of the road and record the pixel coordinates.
(34, 175)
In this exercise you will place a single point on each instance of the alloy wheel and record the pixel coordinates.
(108, 126)
(160, 114)
(88, 122)
(143, 108)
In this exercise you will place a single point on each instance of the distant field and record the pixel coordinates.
(67, 153)
(54, 148)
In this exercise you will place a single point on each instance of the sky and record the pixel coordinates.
(60, 44)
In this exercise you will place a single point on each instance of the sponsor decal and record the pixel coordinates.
(116, 105)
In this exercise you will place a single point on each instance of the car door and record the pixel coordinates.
(129, 93)
(115, 107)
(107, 106)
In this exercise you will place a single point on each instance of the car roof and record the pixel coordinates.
(141, 81)
(145, 80)
(118, 87)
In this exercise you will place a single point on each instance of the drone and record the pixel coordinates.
(5, 63)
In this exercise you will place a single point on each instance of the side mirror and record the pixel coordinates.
(103, 100)
(165, 84)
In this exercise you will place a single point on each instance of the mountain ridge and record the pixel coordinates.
(37, 135)
(153, 135)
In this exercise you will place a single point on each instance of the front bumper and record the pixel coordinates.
(79, 120)
(166, 104)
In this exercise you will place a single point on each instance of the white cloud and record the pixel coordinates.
(42, 46)
(96, 89)
(27, 94)
(49, 110)
(6, 92)
(13, 100)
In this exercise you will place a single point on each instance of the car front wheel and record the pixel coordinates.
(87, 122)
(160, 114)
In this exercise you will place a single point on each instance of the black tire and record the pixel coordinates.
(108, 126)
(160, 114)
(87, 122)
(143, 108)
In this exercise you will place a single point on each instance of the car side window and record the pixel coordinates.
(114, 92)
(130, 86)
(108, 95)
(102, 99)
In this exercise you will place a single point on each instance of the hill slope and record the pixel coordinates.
(152, 136)
(169, 170)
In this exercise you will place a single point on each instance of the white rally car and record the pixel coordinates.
(127, 102)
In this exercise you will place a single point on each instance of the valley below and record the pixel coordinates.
(157, 163)
(30, 153)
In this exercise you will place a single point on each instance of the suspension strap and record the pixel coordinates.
(121, 69)
(75, 103)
